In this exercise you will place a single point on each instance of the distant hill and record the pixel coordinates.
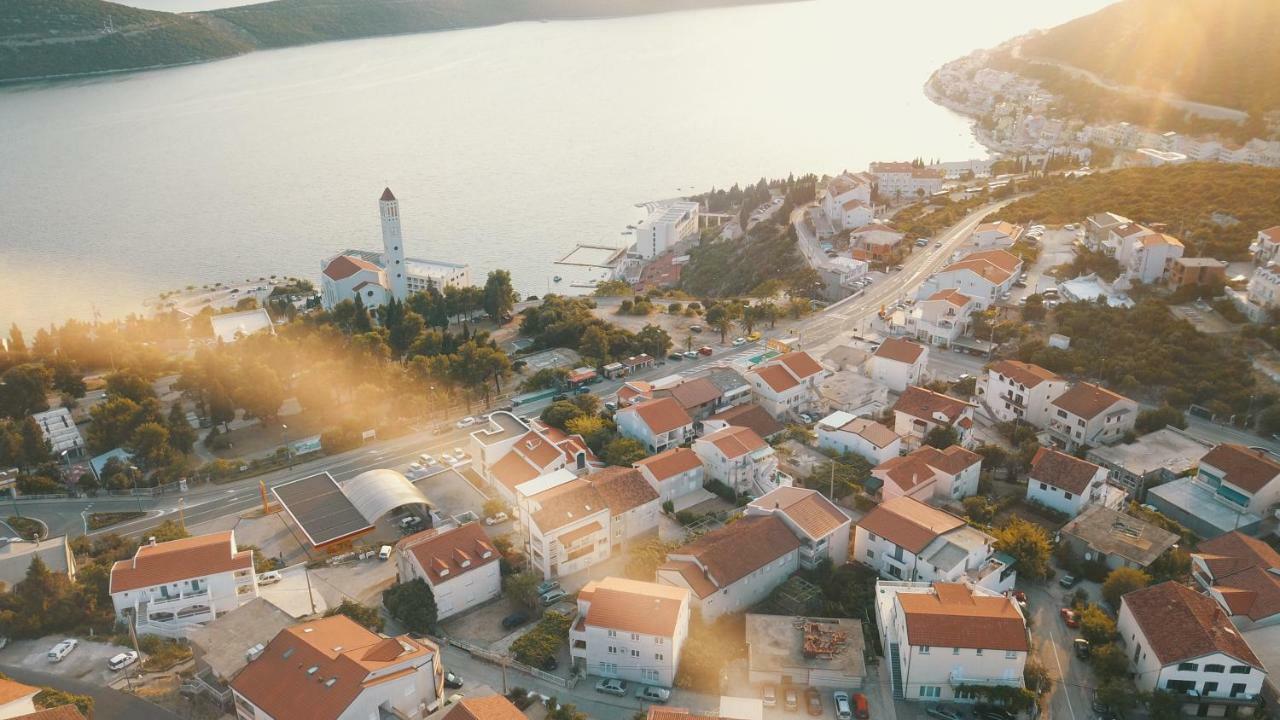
(1221, 52)
(44, 38)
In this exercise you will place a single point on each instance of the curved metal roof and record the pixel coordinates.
(377, 492)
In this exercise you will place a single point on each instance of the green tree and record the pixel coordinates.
(1157, 418)
(719, 320)
(23, 389)
(182, 437)
(499, 295)
(362, 614)
(150, 445)
(653, 340)
(412, 603)
(16, 342)
(129, 384)
(644, 557)
(1096, 626)
(942, 437)
(35, 446)
(1028, 544)
(559, 413)
(1123, 580)
(568, 711)
(623, 452)
(492, 507)
(168, 531)
(594, 345)
(522, 588)
(260, 391)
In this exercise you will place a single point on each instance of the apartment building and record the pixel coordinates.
(673, 474)
(741, 459)
(984, 275)
(658, 424)
(1067, 484)
(898, 363)
(1234, 488)
(1242, 574)
(735, 566)
(1014, 390)
(930, 475)
(1088, 414)
(859, 436)
(941, 318)
(167, 587)
(459, 564)
(919, 410)
(665, 228)
(905, 181)
(787, 384)
(821, 527)
(630, 630)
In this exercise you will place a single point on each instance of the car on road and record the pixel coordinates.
(791, 699)
(695, 329)
(465, 422)
(384, 553)
(446, 458)
(62, 649)
(547, 586)
(690, 354)
(612, 686)
(452, 681)
(752, 337)
(496, 518)
(426, 460)
(938, 244)
(270, 577)
(1101, 709)
(806, 418)
(648, 693)
(922, 242)
(415, 467)
(1019, 283)
(813, 701)
(1069, 617)
(769, 696)
(861, 709)
(676, 357)
(122, 660)
(844, 710)
(1082, 648)
(552, 597)
(739, 341)
(1069, 581)
(704, 350)
(944, 712)
(514, 620)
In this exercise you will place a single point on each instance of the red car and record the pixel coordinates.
(705, 350)
(1069, 617)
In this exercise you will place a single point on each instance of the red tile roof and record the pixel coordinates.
(751, 416)
(776, 377)
(660, 414)
(344, 266)
(1087, 401)
(669, 463)
(489, 707)
(1180, 624)
(953, 296)
(1243, 467)
(814, 514)
(953, 616)
(11, 690)
(1062, 471)
(633, 606)
(446, 554)
(170, 562)
(623, 489)
(903, 351)
(567, 503)
(734, 441)
(1234, 551)
(62, 712)
(738, 549)
(694, 393)
(871, 431)
(1024, 374)
(909, 523)
(801, 364)
(925, 404)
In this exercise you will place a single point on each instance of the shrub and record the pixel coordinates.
(543, 642)
(412, 603)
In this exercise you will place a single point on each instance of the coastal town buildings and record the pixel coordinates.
(940, 319)
(1197, 271)
(733, 567)
(1067, 484)
(1242, 574)
(1233, 488)
(1088, 414)
(866, 438)
(898, 363)
(920, 410)
(459, 564)
(930, 475)
(657, 424)
(998, 234)
(665, 227)
(631, 630)
(983, 275)
(1156, 458)
(788, 384)
(1107, 535)
(674, 474)
(900, 181)
(741, 459)
(1012, 390)
(819, 524)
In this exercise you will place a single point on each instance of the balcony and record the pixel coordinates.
(176, 603)
(961, 679)
(1015, 400)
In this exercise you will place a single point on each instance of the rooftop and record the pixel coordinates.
(734, 441)
(1203, 505)
(1244, 467)
(502, 426)
(734, 551)
(1062, 471)
(445, 554)
(1024, 374)
(1181, 624)
(170, 562)
(1111, 532)
(813, 513)
(1169, 448)
(318, 506)
(634, 606)
(794, 646)
(909, 523)
(750, 415)
(224, 642)
(660, 415)
(928, 405)
(1086, 400)
(669, 463)
(954, 616)
(903, 351)
(489, 707)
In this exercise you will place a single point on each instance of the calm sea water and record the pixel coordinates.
(506, 145)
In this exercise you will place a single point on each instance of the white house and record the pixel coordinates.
(904, 539)
(630, 630)
(657, 424)
(170, 586)
(930, 475)
(941, 636)
(905, 181)
(842, 190)
(633, 504)
(459, 563)
(821, 527)
(920, 410)
(1233, 489)
(854, 213)
(984, 275)
(735, 566)
(564, 524)
(666, 227)
(866, 438)
(335, 669)
(1181, 641)
(898, 363)
(787, 384)
(1066, 483)
(1120, 239)
(1148, 258)
(1267, 245)
(739, 458)
(508, 452)
(1014, 390)
(673, 474)
(1088, 414)
(1263, 289)
(942, 318)
(1242, 574)
(996, 234)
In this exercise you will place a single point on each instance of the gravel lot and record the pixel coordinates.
(88, 662)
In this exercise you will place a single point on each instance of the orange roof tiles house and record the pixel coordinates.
(335, 669)
(749, 415)
(460, 564)
(16, 698)
(787, 384)
(646, 623)
(172, 585)
(61, 712)
(1014, 390)
(929, 474)
(739, 458)
(919, 410)
(1066, 483)
(898, 363)
(1088, 414)
(860, 436)
(657, 424)
(673, 473)
(735, 566)
(983, 275)
(821, 527)
(488, 707)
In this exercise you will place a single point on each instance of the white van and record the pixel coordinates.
(62, 649)
(384, 553)
(269, 577)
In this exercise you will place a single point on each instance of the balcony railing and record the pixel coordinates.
(174, 604)
(961, 679)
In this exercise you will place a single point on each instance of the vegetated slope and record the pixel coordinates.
(73, 37)
(1184, 197)
(66, 37)
(1221, 52)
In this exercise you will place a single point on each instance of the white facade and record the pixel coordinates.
(621, 640)
(821, 527)
(787, 384)
(1019, 391)
(931, 475)
(657, 424)
(942, 549)
(844, 433)
(842, 190)
(1264, 286)
(1070, 500)
(751, 467)
(941, 318)
(897, 371)
(1090, 415)
(459, 564)
(984, 275)
(673, 474)
(665, 228)
(740, 594)
(904, 181)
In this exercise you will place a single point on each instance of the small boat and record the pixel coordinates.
(557, 278)
(631, 227)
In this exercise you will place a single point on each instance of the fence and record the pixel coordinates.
(498, 658)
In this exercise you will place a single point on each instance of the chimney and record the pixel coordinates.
(151, 540)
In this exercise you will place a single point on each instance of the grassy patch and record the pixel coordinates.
(162, 653)
(26, 527)
(97, 521)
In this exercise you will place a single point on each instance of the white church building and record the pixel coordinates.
(377, 276)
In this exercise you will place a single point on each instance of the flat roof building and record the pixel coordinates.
(818, 652)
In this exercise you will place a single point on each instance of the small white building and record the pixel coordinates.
(733, 567)
(844, 189)
(920, 410)
(999, 234)
(630, 630)
(230, 327)
(1088, 414)
(336, 669)
(984, 275)
(899, 363)
(657, 424)
(59, 428)
(941, 636)
(673, 473)
(863, 437)
(1014, 390)
(787, 384)
(1180, 641)
(1067, 484)
(170, 586)
(930, 475)
(821, 527)
(942, 318)
(1148, 258)
(741, 459)
(459, 563)
(665, 228)
(905, 181)
(1267, 245)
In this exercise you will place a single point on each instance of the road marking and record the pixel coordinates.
(1062, 675)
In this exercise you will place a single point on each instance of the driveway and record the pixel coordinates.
(290, 594)
(88, 662)
(450, 493)
(1072, 678)
(108, 704)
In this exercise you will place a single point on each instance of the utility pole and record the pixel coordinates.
(306, 573)
(182, 518)
(503, 663)
(832, 491)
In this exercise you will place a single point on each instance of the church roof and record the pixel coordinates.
(387, 195)
(344, 266)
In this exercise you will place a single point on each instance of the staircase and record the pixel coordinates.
(895, 670)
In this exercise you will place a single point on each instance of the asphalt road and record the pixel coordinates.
(108, 704)
(1069, 699)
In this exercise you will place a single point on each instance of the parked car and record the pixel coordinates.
(1069, 617)
(844, 711)
(612, 686)
(62, 649)
(496, 518)
(465, 422)
(676, 357)
(1082, 648)
(739, 341)
(754, 336)
(861, 709)
(769, 696)
(415, 466)
(704, 350)
(270, 577)
(384, 553)
(547, 586)
(648, 693)
(447, 458)
(813, 701)
(943, 712)
(122, 660)
(514, 620)
(791, 699)
(695, 329)
(553, 597)
(452, 681)
(1069, 581)
(410, 521)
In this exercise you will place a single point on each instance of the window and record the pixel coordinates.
(1179, 685)
(635, 636)
(613, 633)
(1066, 495)
(1192, 667)
(1237, 689)
(659, 640)
(1240, 669)
(955, 651)
(1043, 486)
(613, 650)
(871, 554)
(635, 653)
(657, 656)
(1210, 687)
(924, 649)
(979, 652)
(930, 691)
(1214, 668)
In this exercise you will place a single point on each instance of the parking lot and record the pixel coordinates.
(88, 662)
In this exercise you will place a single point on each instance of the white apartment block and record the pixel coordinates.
(1067, 484)
(930, 475)
(741, 459)
(673, 474)
(1014, 390)
(1149, 257)
(996, 234)
(734, 567)
(919, 410)
(335, 669)
(168, 587)
(1266, 246)
(1242, 574)
(459, 564)
(859, 436)
(787, 384)
(984, 275)
(657, 424)
(666, 227)
(630, 630)
(942, 318)
(898, 363)
(821, 527)
(1088, 414)
(940, 636)
(904, 181)
(846, 189)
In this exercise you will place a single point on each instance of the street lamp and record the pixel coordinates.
(284, 434)
(133, 475)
